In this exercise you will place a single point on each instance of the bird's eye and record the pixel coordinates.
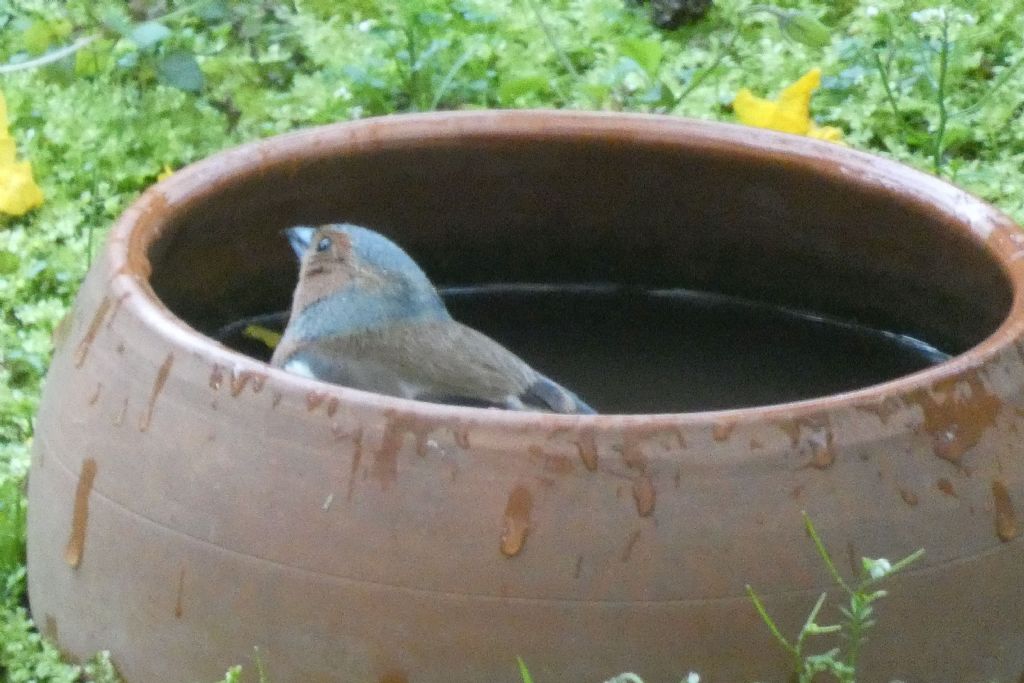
(324, 244)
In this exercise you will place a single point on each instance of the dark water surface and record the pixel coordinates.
(656, 351)
(636, 351)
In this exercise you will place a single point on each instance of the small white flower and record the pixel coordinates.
(693, 677)
(878, 568)
(871, 10)
(365, 25)
(633, 81)
(927, 16)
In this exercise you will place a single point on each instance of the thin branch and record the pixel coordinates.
(884, 73)
(1007, 74)
(552, 39)
(49, 57)
(701, 75)
(810, 622)
(770, 623)
(450, 76)
(824, 554)
(941, 96)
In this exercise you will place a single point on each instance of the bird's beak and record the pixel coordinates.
(300, 237)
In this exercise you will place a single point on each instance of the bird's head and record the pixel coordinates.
(350, 268)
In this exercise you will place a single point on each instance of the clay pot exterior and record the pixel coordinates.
(189, 503)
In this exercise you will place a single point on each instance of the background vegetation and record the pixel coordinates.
(157, 84)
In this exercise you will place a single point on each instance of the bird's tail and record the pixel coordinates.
(549, 395)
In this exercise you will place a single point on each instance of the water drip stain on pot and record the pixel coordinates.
(158, 386)
(909, 497)
(240, 379)
(179, 604)
(397, 426)
(957, 412)
(80, 516)
(216, 377)
(517, 521)
(82, 350)
(357, 456)
(1007, 527)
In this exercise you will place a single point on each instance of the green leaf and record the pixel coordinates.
(148, 34)
(646, 53)
(9, 262)
(804, 29)
(37, 37)
(181, 70)
(115, 21)
(251, 26)
(213, 11)
(94, 58)
(515, 88)
(523, 671)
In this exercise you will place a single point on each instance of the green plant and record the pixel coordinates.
(523, 671)
(621, 678)
(858, 616)
(234, 674)
(150, 46)
(12, 525)
(934, 55)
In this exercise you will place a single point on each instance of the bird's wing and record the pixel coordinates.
(441, 361)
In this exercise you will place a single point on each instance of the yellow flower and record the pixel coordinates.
(790, 113)
(260, 333)
(829, 133)
(166, 173)
(18, 191)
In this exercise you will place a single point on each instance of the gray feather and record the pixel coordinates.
(442, 358)
(397, 338)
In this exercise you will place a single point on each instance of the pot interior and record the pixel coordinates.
(647, 275)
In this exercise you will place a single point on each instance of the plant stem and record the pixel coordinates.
(855, 631)
(185, 9)
(940, 133)
(759, 606)
(996, 85)
(523, 671)
(552, 40)
(261, 670)
(450, 76)
(92, 224)
(413, 81)
(809, 622)
(701, 75)
(767, 9)
(824, 554)
(49, 57)
(726, 48)
(57, 55)
(883, 72)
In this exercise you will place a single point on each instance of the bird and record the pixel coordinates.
(365, 315)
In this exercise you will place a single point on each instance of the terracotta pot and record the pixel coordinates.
(189, 503)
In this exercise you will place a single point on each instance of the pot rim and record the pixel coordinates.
(144, 222)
